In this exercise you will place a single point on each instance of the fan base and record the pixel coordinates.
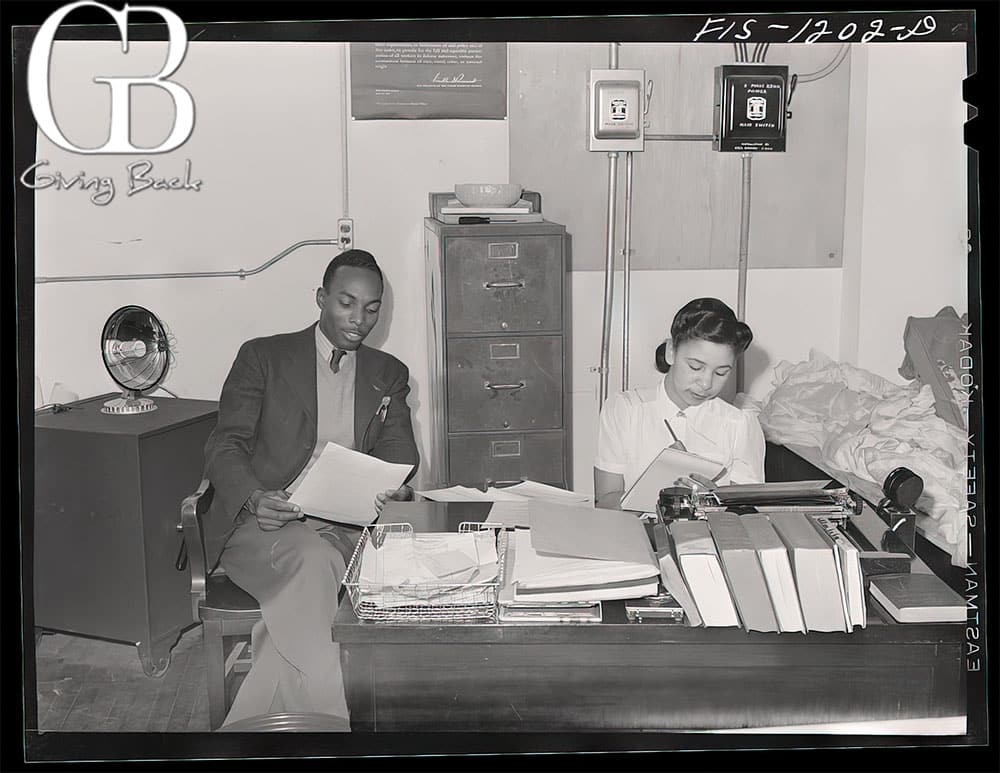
(125, 405)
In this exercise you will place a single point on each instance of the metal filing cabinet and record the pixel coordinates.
(108, 493)
(498, 339)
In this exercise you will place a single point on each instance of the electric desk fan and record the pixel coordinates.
(136, 353)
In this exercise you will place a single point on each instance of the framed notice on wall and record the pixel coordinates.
(428, 80)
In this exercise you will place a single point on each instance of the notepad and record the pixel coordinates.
(669, 465)
(342, 484)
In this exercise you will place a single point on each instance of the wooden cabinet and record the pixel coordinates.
(498, 338)
(108, 492)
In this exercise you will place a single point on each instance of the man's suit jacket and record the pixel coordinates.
(266, 431)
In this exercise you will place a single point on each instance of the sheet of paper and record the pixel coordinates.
(510, 514)
(669, 465)
(468, 494)
(586, 532)
(342, 484)
(534, 490)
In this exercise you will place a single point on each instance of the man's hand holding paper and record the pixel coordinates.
(343, 484)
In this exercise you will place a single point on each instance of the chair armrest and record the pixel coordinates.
(192, 508)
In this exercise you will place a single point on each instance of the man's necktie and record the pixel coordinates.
(335, 358)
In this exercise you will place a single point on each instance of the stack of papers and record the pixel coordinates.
(574, 553)
(426, 568)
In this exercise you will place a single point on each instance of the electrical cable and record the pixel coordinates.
(736, 51)
(167, 391)
(763, 54)
(829, 68)
(746, 52)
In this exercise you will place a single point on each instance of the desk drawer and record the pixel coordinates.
(503, 284)
(505, 383)
(506, 458)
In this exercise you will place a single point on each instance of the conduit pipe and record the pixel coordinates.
(741, 299)
(680, 137)
(609, 267)
(241, 273)
(627, 267)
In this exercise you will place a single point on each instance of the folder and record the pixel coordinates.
(670, 574)
(543, 577)
(743, 571)
(587, 532)
(850, 563)
(815, 566)
(669, 465)
(777, 570)
(702, 571)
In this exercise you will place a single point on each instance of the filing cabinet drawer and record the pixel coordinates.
(506, 458)
(503, 284)
(505, 383)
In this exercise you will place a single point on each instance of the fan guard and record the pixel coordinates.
(136, 354)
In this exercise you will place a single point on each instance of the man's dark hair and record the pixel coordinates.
(355, 258)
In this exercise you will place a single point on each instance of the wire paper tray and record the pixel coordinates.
(413, 603)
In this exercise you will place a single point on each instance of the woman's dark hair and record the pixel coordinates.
(708, 319)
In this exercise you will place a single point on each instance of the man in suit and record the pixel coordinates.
(286, 396)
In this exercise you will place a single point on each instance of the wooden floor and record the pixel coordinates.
(93, 685)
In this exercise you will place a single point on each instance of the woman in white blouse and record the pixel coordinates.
(684, 410)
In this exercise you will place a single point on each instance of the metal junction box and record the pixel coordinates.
(616, 110)
(750, 102)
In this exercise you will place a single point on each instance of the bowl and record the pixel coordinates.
(488, 194)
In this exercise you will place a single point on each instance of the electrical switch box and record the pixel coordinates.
(616, 110)
(750, 108)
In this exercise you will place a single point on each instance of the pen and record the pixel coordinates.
(677, 443)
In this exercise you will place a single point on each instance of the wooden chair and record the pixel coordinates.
(226, 611)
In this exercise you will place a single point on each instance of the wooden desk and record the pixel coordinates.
(623, 676)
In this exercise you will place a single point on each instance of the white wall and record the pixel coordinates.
(908, 217)
(268, 152)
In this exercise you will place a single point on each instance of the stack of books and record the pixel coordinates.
(784, 572)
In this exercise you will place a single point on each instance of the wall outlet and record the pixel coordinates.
(345, 233)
